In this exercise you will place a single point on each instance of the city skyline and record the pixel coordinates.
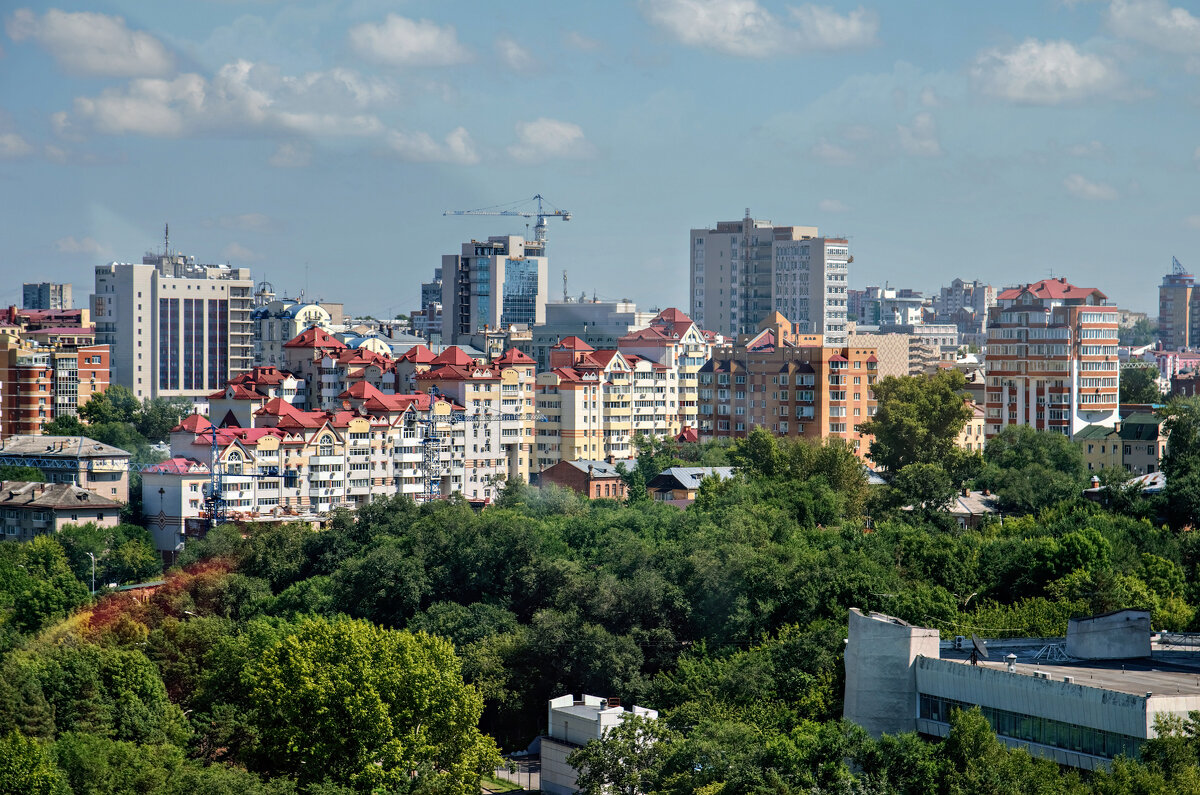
(319, 143)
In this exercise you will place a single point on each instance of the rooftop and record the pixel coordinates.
(59, 447)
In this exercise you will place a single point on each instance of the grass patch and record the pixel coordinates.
(498, 784)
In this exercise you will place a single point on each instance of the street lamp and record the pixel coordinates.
(93, 557)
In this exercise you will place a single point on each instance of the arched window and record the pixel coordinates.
(326, 445)
(234, 463)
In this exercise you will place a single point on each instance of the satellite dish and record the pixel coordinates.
(979, 651)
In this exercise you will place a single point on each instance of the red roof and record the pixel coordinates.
(1052, 289)
(453, 355)
(673, 319)
(227, 436)
(192, 424)
(176, 466)
(513, 356)
(573, 344)
(418, 354)
(837, 357)
(688, 435)
(315, 337)
(602, 358)
(61, 330)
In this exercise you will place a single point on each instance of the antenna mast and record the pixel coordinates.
(566, 297)
(167, 239)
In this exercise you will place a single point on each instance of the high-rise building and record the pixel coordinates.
(493, 284)
(1175, 311)
(39, 383)
(1052, 358)
(744, 271)
(176, 328)
(974, 295)
(46, 295)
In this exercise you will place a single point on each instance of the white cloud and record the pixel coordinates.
(513, 55)
(577, 41)
(832, 206)
(241, 97)
(1192, 222)
(13, 145)
(87, 245)
(420, 147)
(86, 43)
(1155, 23)
(1089, 149)
(1043, 73)
(930, 98)
(549, 139)
(920, 138)
(832, 153)
(1082, 188)
(55, 154)
(746, 29)
(236, 251)
(400, 41)
(291, 154)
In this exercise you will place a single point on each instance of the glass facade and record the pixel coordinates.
(218, 342)
(193, 343)
(168, 343)
(1044, 731)
(520, 292)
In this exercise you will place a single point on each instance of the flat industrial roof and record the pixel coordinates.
(1167, 673)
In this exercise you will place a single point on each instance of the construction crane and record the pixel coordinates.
(539, 229)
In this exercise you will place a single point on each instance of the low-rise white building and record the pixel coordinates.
(573, 723)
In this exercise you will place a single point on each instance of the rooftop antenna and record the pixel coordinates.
(1177, 267)
(167, 239)
(979, 652)
(566, 298)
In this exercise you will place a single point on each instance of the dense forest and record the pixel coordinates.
(402, 646)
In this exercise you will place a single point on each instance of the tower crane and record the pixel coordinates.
(542, 213)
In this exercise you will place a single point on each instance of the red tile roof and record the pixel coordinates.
(453, 355)
(315, 337)
(1053, 289)
(418, 354)
(513, 356)
(573, 344)
(177, 466)
(192, 424)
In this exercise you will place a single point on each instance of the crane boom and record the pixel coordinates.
(541, 214)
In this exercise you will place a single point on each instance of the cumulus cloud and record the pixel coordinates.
(242, 96)
(1043, 73)
(291, 154)
(832, 206)
(513, 55)
(236, 251)
(86, 43)
(549, 139)
(832, 153)
(421, 147)
(87, 245)
(13, 145)
(1156, 24)
(745, 29)
(920, 137)
(400, 41)
(1082, 188)
(577, 41)
(929, 98)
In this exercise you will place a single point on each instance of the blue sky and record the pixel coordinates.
(318, 143)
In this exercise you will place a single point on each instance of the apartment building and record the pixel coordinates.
(280, 321)
(673, 339)
(1052, 358)
(593, 402)
(176, 328)
(45, 295)
(39, 383)
(973, 436)
(1137, 443)
(236, 404)
(29, 510)
(877, 306)
(600, 324)
(973, 295)
(493, 283)
(328, 367)
(789, 383)
(744, 271)
(1178, 316)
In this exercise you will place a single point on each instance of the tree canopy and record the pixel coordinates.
(917, 419)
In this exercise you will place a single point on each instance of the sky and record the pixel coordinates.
(319, 143)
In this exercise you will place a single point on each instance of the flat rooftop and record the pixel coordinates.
(1166, 673)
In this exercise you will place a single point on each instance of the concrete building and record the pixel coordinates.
(45, 295)
(100, 468)
(974, 295)
(790, 384)
(573, 723)
(972, 437)
(1079, 701)
(1136, 443)
(592, 479)
(39, 383)
(894, 353)
(176, 328)
(282, 320)
(600, 324)
(496, 283)
(672, 339)
(1052, 358)
(744, 271)
(680, 485)
(889, 306)
(1176, 312)
(28, 510)
(940, 338)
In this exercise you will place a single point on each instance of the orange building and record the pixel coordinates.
(38, 384)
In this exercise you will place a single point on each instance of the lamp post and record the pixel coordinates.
(93, 557)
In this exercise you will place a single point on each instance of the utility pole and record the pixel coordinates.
(93, 557)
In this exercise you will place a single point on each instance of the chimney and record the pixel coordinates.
(610, 458)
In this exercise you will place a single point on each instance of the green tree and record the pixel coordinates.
(369, 708)
(114, 405)
(1139, 384)
(27, 769)
(917, 419)
(66, 425)
(28, 474)
(926, 487)
(1031, 469)
(627, 760)
(1144, 331)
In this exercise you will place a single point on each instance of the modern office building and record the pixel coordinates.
(744, 271)
(1052, 358)
(496, 283)
(45, 295)
(1079, 701)
(176, 328)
